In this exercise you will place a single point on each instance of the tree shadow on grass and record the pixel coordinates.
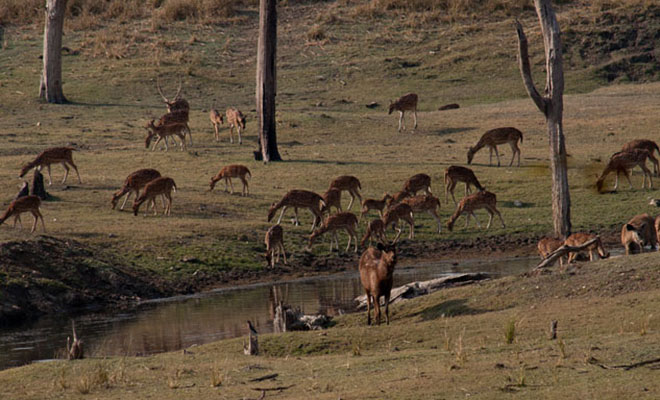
(449, 308)
(449, 131)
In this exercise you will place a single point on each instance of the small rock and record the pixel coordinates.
(373, 104)
(112, 235)
(518, 203)
(188, 259)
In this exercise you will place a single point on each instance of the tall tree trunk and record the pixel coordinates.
(50, 87)
(266, 79)
(551, 105)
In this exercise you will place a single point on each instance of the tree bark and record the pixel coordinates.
(50, 87)
(551, 104)
(266, 79)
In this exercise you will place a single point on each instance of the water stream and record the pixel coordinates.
(179, 322)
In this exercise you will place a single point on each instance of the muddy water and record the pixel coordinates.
(175, 323)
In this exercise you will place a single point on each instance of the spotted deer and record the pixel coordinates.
(235, 118)
(475, 201)
(495, 137)
(331, 198)
(50, 156)
(178, 109)
(581, 238)
(133, 183)
(299, 199)
(162, 132)
(407, 102)
(159, 186)
(416, 183)
(638, 233)
(216, 119)
(274, 245)
(176, 117)
(377, 276)
(373, 204)
(350, 184)
(648, 145)
(547, 246)
(375, 230)
(22, 205)
(425, 203)
(233, 171)
(342, 220)
(397, 212)
(455, 174)
(625, 161)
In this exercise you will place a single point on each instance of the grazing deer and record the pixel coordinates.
(342, 220)
(397, 212)
(176, 117)
(331, 198)
(162, 132)
(377, 275)
(350, 184)
(648, 145)
(416, 183)
(375, 230)
(407, 102)
(475, 201)
(133, 183)
(455, 174)
(274, 244)
(547, 246)
(178, 109)
(21, 205)
(638, 233)
(159, 186)
(299, 199)
(425, 203)
(581, 238)
(494, 137)
(373, 204)
(216, 120)
(233, 171)
(51, 156)
(625, 161)
(235, 118)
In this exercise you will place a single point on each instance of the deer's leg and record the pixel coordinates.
(75, 168)
(283, 252)
(647, 172)
(240, 139)
(36, 219)
(398, 232)
(377, 308)
(415, 118)
(434, 214)
(231, 185)
(350, 203)
(281, 215)
(50, 180)
(43, 225)
(616, 180)
(66, 171)
(189, 133)
(245, 186)
(490, 218)
(17, 217)
(126, 199)
(368, 308)
(411, 222)
(451, 190)
(387, 308)
(628, 173)
(497, 154)
(401, 121)
(490, 156)
(231, 133)
(217, 133)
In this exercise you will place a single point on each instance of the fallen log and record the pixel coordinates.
(562, 251)
(289, 319)
(416, 289)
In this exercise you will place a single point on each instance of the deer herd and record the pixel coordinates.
(376, 265)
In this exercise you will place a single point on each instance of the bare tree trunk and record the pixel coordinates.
(50, 87)
(266, 79)
(551, 105)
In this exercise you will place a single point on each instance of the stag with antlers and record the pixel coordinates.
(178, 109)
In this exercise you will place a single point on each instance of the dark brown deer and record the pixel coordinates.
(495, 137)
(638, 233)
(233, 171)
(22, 205)
(350, 184)
(625, 161)
(342, 220)
(133, 184)
(50, 156)
(648, 145)
(580, 238)
(455, 174)
(299, 199)
(159, 186)
(407, 102)
(377, 275)
(235, 118)
(475, 201)
(274, 245)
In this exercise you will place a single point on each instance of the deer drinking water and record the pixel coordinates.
(377, 276)
(625, 161)
(133, 183)
(475, 201)
(342, 220)
(581, 238)
(455, 174)
(159, 186)
(50, 156)
(407, 102)
(495, 137)
(547, 246)
(22, 205)
(233, 171)
(638, 233)
(299, 199)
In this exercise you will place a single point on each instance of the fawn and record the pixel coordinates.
(21, 205)
(407, 102)
(235, 118)
(475, 201)
(373, 204)
(274, 244)
(162, 132)
(159, 186)
(216, 119)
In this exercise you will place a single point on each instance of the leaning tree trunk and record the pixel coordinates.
(552, 106)
(266, 87)
(50, 87)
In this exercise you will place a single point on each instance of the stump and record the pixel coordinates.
(251, 348)
(74, 350)
(38, 188)
(25, 191)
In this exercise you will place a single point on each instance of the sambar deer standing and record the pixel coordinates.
(580, 238)
(217, 120)
(495, 137)
(133, 183)
(547, 246)
(377, 276)
(625, 161)
(425, 203)
(274, 245)
(455, 174)
(342, 220)
(638, 233)
(407, 102)
(397, 212)
(648, 145)
(22, 205)
(350, 184)
(375, 230)
(50, 156)
(475, 201)
(163, 132)
(233, 171)
(159, 186)
(299, 199)
(373, 204)
(235, 118)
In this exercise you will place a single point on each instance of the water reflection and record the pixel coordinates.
(172, 324)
